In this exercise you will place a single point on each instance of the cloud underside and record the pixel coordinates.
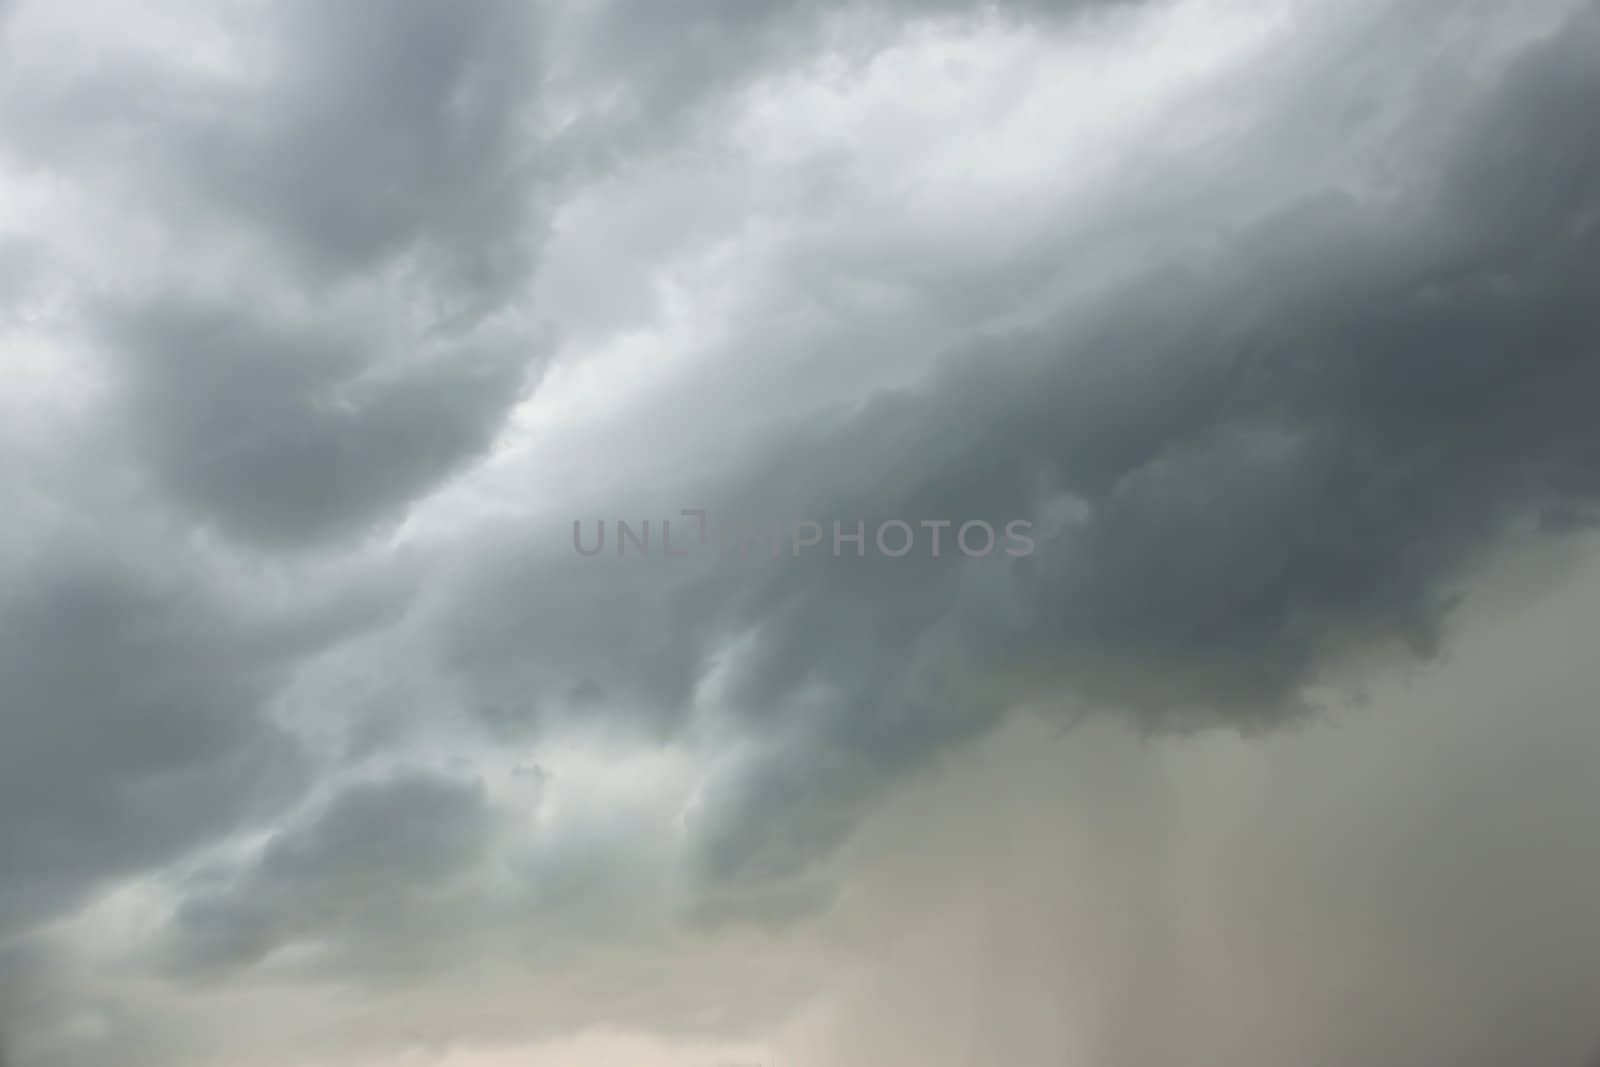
(326, 325)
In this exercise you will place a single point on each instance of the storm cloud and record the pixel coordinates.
(323, 327)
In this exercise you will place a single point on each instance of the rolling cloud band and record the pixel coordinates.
(1136, 606)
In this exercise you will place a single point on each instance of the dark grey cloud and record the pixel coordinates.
(401, 128)
(293, 302)
(1269, 460)
(379, 171)
(132, 730)
(284, 433)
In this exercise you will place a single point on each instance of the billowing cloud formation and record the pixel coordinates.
(323, 328)
(1267, 454)
(381, 844)
(131, 731)
(282, 432)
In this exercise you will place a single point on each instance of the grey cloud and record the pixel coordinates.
(131, 731)
(1273, 459)
(662, 68)
(399, 127)
(352, 877)
(390, 883)
(539, 638)
(64, 1017)
(379, 171)
(18, 269)
(394, 136)
(285, 433)
(1268, 448)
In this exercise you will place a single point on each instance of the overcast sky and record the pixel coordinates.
(325, 325)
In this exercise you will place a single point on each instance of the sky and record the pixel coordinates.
(1109, 571)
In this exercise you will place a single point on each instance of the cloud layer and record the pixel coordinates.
(323, 327)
